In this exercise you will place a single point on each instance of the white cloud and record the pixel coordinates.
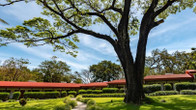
(98, 45)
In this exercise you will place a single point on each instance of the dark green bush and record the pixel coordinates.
(163, 93)
(4, 96)
(110, 90)
(188, 92)
(104, 95)
(22, 102)
(42, 95)
(185, 86)
(94, 107)
(97, 91)
(16, 95)
(82, 91)
(167, 87)
(72, 103)
(67, 107)
(60, 107)
(72, 93)
(63, 93)
(122, 90)
(152, 88)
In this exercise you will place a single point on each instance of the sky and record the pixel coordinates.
(178, 32)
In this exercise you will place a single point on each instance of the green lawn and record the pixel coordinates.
(32, 105)
(173, 102)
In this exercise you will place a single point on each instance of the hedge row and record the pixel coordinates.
(188, 92)
(185, 86)
(4, 96)
(167, 87)
(163, 93)
(42, 95)
(72, 93)
(104, 95)
(110, 90)
(89, 91)
(152, 88)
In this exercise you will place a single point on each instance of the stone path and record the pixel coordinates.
(80, 105)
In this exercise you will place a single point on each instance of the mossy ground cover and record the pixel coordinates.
(47, 104)
(173, 102)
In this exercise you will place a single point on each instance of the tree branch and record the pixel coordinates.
(169, 3)
(10, 3)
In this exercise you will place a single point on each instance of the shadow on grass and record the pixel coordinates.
(176, 103)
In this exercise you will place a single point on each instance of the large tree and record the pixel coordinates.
(53, 70)
(76, 16)
(105, 71)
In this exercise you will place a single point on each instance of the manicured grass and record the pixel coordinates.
(32, 105)
(173, 102)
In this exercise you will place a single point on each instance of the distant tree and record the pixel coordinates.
(53, 70)
(15, 70)
(161, 62)
(105, 71)
(85, 75)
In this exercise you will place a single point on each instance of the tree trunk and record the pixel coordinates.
(134, 79)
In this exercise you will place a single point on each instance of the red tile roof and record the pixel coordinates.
(95, 84)
(168, 77)
(122, 82)
(11, 84)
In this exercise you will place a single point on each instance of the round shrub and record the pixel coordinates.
(72, 103)
(167, 87)
(67, 99)
(63, 93)
(110, 90)
(152, 88)
(79, 98)
(82, 91)
(22, 102)
(16, 95)
(85, 100)
(4, 96)
(71, 96)
(91, 102)
(72, 93)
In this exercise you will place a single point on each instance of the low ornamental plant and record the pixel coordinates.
(188, 92)
(82, 91)
(72, 103)
(16, 95)
(22, 102)
(185, 86)
(72, 93)
(158, 93)
(104, 95)
(151, 88)
(63, 93)
(167, 87)
(110, 90)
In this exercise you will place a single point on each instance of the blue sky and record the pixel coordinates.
(178, 32)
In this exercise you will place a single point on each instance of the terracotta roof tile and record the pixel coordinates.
(95, 84)
(11, 84)
(168, 77)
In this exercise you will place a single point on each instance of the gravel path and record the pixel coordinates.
(80, 105)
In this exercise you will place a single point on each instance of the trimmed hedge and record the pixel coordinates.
(63, 93)
(167, 87)
(163, 93)
(152, 88)
(82, 91)
(42, 95)
(97, 91)
(4, 96)
(110, 90)
(89, 91)
(188, 92)
(72, 93)
(185, 86)
(16, 95)
(104, 95)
